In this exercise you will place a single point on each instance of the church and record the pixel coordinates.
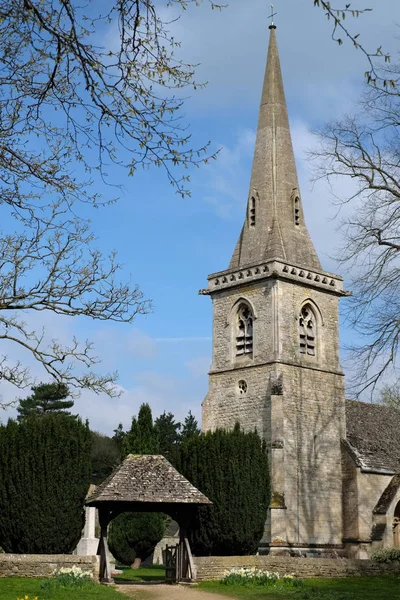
(335, 463)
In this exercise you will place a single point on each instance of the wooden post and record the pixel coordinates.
(105, 571)
(191, 573)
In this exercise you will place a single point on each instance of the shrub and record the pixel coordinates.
(387, 555)
(45, 475)
(231, 469)
(133, 536)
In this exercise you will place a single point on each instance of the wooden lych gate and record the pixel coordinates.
(179, 562)
(147, 483)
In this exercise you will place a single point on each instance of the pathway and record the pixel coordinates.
(166, 592)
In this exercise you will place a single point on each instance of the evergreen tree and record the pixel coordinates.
(142, 437)
(119, 436)
(105, 456)
(167, 430)
(46, 398)
(45, 475)
(132, 535)
(231, 469)
(190, 427)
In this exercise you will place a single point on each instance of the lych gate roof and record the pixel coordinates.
(373, 436)
(147, 478)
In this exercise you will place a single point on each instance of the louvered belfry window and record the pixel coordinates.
(307, 331)
(244, 332)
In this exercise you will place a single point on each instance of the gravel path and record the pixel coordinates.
(166, 592)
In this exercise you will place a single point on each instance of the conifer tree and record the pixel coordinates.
(190, 427)
(46, 398)
(45, 475)
(133, 536)
(142, 437)
(231, 469)
(167, 430)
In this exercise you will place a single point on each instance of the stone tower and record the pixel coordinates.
(275, 364)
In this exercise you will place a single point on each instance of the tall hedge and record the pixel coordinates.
(44, 478)
(231, 468)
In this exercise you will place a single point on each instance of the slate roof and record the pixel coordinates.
(373, 436)
(146, 478)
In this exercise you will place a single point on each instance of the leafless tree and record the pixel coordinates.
(80, 91)
(390, 395)
(337, 15)
(365, 149)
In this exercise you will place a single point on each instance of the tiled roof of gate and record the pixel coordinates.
(147, 478)
(373, 434)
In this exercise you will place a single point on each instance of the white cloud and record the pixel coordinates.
(227, 179)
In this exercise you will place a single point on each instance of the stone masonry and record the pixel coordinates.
(215, 567)
(275, 363)
(44, 565)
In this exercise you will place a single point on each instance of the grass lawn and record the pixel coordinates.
(12, 588)
(154, 573)
(354, 588)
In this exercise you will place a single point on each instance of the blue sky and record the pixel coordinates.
(169, 245)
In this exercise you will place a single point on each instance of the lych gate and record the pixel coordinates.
(147, 483)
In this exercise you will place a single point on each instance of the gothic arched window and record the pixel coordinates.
(307, 331)
(244, 330)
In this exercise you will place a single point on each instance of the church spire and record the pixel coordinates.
(274, 225)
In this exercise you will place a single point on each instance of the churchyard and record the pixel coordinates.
(287, 490)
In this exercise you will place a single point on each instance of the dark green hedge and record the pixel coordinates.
(44, 479)
(231, 468)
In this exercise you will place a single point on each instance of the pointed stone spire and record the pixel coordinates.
(274, 225)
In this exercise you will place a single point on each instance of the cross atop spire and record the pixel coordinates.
(271, 16)
(274, 227)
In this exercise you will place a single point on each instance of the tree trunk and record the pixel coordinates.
(136, 563)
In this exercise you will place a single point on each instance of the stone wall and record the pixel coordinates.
(214, 567)
(43, 565)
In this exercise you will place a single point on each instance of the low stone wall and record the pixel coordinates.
(43, 565)
(214, 567)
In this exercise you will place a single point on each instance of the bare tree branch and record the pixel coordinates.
(366, 150)
(337, 15)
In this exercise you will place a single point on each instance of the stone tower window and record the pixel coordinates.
(297, 210)
(242, 387)
(307, 331)
(252, 211)
(244, 331)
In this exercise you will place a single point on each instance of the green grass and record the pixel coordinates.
(12, 588)
(155, 573)
(355, 588)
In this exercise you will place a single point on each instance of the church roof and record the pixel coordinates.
(274, 227)
(146, 478)
(373, 436)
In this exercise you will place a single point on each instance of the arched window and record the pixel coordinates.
(307, 331)
(244, 330)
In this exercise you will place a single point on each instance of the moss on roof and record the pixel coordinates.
(146, 478)
(373, 436)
